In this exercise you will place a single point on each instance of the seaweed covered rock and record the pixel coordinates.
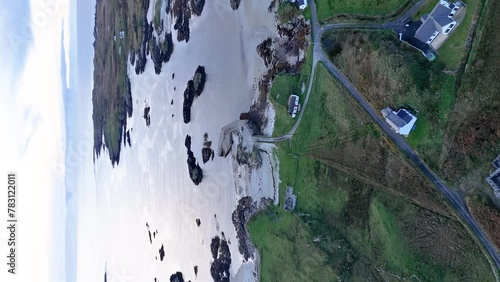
(188, 102)
(182, 14)
(222, 260)
(193, 89)
(161, 51)
(195, 171)
(199, 80)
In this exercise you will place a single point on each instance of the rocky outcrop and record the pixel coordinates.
(198, 222)
(199, 78)
(241, 215)
(176, 277)
(283, 54)
(161, 51)
(162, 252)
(195, 171)
(219, 268)
(147, 116)
(195, 271)
(206, 151)
(182, 14)
(193, 89)
(188, 102)
(235, 4)
(197, 6)
(265, 51)
(140, 54)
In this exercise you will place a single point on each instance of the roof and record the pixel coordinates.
(425, 31)
(404, 115)
(438, 18)
(292, 101)
(396, 120)
(443, 21)
(440, 11)
(402, 122)
(495, 177)
(496, 162)
(302, 2)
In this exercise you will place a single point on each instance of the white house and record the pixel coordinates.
(401, 122)
(440, 22)
(302, 4)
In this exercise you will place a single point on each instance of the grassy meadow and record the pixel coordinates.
(363, 212)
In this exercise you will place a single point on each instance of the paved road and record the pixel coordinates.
(454, 199)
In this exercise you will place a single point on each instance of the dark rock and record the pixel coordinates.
(182, 14)
(132, 58)
(162, 253)
(219, 269)
(176, 277)
(265, 51)
(198, 222)
(147, 115)
(199, 80)
(195, 171)
(188, 102)
(193, 89)
(196, 271)
(172, 102)
(244, 211)
(161, 51)
(197, 6)
(214, 246)
(173, 75)
(206, 153)
(150, 240)
(235, 4)
(128, 138)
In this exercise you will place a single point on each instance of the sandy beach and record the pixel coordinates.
(150, 190)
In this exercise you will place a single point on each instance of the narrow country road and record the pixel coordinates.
(455, 200)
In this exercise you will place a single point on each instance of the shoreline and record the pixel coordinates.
(161, 194)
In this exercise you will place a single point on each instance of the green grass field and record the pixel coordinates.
(452, 51)
(284, 85)
(327, 9)
(351, 223)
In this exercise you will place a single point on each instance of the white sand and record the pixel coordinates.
(151, 183)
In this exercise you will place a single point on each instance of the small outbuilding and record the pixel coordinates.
(401, 122)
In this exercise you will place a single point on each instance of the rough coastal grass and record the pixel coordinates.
(284, 85)
(389, 73)
(327, 9)
(363, 212)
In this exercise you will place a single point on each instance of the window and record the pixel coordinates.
(447, 31)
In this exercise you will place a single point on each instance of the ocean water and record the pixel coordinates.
(149, 191)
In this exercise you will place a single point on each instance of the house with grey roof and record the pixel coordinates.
(401, 122)
(437, 25)
(494, 178)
